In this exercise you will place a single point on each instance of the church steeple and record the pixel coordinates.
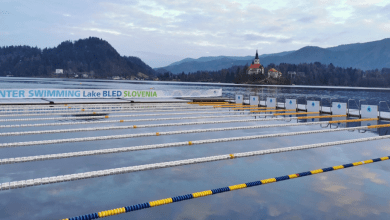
(256, 67)
(257, 60)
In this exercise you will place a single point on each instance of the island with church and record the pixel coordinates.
(257, 74)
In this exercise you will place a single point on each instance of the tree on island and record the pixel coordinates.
(309, 74)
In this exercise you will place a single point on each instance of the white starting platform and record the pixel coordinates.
(337, 108)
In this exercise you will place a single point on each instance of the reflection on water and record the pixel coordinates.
(353, 193)
(74, 117)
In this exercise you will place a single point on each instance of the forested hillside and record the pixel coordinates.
(92, 56)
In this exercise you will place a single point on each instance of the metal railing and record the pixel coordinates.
(360, 106)
(379, 107)
(305, 97)
(330, 104)
(348, 106)
(284, 101)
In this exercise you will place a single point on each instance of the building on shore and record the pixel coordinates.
(273, 73)
(59, 71)
(293, 74)
(256, 67)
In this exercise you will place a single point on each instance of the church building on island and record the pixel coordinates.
(256, 67)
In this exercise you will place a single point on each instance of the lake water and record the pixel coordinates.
(354, 193)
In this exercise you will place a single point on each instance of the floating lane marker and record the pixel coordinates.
(145, 147)
(227, 106)
(101, 173)
(108, 112)
(148, 126)
(157, 125)
(208, 103)
(354, 120)
(235, 106)
(85, 106)
(103, 106)
(326, 116)
(219, 190)
(132, 120)
(239, 106)
(124, 104)
(179, 124)
(250, 108)
(283, 110)
(112, 116)
(223, 104)
(220, 104)
(173, 124)
(379, 126)
(296, 113)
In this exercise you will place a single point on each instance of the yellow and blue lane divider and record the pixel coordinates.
(150, 204)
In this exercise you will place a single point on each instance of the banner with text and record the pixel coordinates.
(105, 93)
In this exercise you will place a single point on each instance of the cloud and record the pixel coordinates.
(100, 30)
(325, 185)
(350, 199)
(190, 28)
(308, 19)
(285, 41)
(363, 3)
(364, 173)
(254, 37)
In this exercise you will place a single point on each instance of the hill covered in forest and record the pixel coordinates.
(91, 56)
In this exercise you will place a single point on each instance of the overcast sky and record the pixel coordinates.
(164, 31)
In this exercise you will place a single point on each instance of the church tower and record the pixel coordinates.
(257, 60)
(256, 67)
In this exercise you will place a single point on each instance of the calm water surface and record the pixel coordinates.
(353, 193)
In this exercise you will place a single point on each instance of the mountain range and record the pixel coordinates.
(99, 59)
(364, 56)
